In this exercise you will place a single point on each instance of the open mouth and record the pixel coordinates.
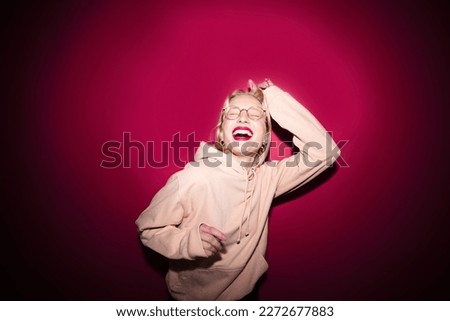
(242, 133)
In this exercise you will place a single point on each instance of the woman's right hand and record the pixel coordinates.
(263, 85)
(211, 239)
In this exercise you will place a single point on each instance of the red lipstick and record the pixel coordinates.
(242, 133)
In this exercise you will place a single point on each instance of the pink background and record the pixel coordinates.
(77, 75)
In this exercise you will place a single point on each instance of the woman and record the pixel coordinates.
(210, 219)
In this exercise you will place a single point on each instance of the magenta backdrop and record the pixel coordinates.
(77, 75)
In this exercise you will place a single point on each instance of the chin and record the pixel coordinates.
(245, 148)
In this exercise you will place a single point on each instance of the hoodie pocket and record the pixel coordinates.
(200, 283)
(245, 282)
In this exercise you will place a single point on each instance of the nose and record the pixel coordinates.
(241, 118)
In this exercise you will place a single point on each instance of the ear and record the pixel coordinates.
(266, 137)
(220, 135)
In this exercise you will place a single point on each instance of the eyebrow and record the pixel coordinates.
(246, 108)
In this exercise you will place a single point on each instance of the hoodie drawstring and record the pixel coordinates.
(246, 214)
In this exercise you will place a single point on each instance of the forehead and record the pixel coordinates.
(245, 100)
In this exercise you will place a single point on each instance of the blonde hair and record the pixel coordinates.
(262, 153)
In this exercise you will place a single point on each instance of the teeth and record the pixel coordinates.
(242, 132)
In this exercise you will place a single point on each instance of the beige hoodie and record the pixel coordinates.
(217, 191)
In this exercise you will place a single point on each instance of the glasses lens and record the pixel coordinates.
(254, 113)
(233, 113)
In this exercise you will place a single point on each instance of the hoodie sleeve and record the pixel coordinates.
(158, 226)
(317, 148)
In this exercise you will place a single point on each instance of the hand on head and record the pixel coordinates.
(263, 85)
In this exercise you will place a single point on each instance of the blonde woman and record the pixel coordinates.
(210, 219)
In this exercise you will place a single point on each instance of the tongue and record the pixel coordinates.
(241, 137)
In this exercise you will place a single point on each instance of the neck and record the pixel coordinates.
(244, 161)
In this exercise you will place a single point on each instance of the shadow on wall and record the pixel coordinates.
(286, 137)
(157, 262)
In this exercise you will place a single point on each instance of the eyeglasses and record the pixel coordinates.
(254, 113)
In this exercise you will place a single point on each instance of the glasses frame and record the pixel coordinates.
(227, 110)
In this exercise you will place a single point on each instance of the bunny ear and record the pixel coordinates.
(252, 85)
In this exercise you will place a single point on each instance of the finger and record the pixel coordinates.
(213, 231)
(221, 236)
(262, 85)
(207, 249)
(252, 85)
(208, 238)
(265, 84)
